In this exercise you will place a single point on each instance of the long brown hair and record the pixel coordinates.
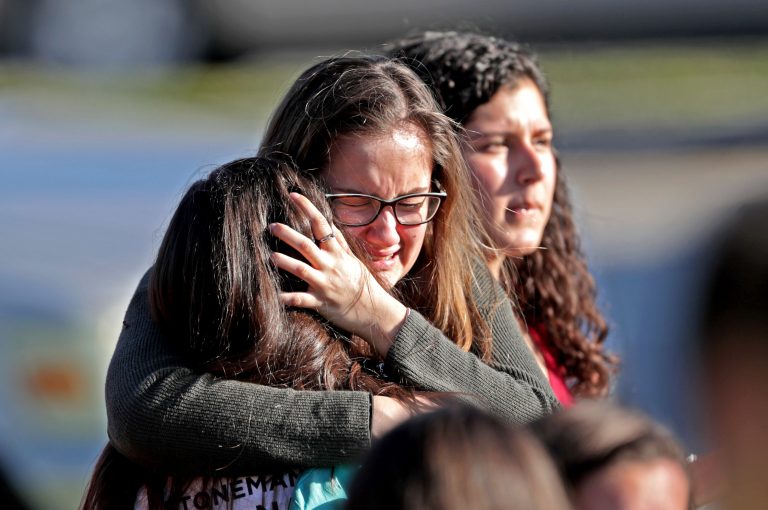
(553, 286)
(371, 96)
(214, 294)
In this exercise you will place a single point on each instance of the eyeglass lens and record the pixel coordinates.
(356, 210)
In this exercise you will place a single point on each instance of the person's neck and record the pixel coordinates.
(494, 263)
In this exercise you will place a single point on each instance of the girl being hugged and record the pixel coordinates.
(216, 297)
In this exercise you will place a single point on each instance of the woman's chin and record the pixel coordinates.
(520, 247)
(517, 240)
(390, 277)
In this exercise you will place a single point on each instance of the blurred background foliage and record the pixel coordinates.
(677, 85)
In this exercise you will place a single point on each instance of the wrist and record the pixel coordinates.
(391, 317)
(386, 413)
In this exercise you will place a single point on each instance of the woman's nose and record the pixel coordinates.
(526, 164)
(383, 230)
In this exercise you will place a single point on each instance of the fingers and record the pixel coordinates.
(313, 277)
(299, 300)
(321, 230)
(325, 234)
(327, 267)
(341, 239)
(299, 242)
(325, 238)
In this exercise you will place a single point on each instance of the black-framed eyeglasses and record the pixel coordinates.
(358, 210)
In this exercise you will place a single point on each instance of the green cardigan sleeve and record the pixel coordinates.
(511, 386)
(161, 413)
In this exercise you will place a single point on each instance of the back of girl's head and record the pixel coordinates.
(370, 96)
(215, 293)
(457, 458)
(592, 435)
(212, 278)
(465, 69)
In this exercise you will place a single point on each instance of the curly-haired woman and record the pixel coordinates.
(497, 92)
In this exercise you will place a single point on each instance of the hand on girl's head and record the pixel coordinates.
(340, 288)
(324, 232)
(329, 264)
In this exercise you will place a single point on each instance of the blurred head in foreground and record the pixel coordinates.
(614, 458)
(457, 458)
(734, 353)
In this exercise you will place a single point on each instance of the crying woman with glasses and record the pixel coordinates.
(396, 262)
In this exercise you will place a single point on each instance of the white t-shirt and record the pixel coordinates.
(262, 492)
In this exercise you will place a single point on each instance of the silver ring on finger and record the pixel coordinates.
(325, 238)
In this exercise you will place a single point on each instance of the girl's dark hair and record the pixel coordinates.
(553, 286)
(352, 97)
(214, 294)
(465, 69)
(455, 458)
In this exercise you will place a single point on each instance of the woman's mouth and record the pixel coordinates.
(381, 261)
(522, 212)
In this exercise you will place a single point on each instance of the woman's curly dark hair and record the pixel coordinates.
(554, 288)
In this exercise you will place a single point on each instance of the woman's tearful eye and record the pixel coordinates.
(412, 204)
(354, 201)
